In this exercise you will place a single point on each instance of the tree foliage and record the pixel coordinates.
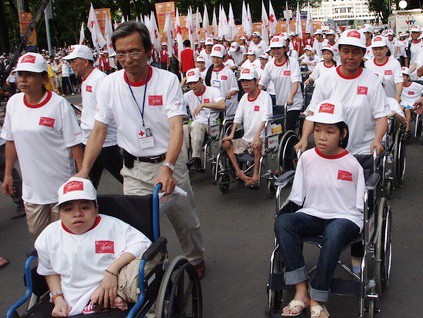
(384, 8)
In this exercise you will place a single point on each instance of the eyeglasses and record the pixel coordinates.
(132, 55)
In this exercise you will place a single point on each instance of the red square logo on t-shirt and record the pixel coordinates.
(410, 93)
(344, 175)
(155, 100)
(256, 108)
(388, 72)
(46, 121)
(287, 73)
(104, 247)
(207, 100)
(73, 186)
(223, 77)
(89, 88)
(362, 90)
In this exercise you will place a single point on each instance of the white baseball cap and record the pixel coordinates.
(367, 28)
(330, 32)
(248, 73)
(81, 51)
(32, 62)
(353, 37)
(76, 189)
(416, 28)
(379, 41)
(390, 32)
(308, 47)
(292, 34)
(318, 32)
(405, 70)
(193, 75)
(209, 41)
(328, 48)
(164, 43)
(218, 50)
(264, 56)
(256, 33)
(251, 52)
(242, 37)
(200, 58)
(234, 46)
(277, 42)
(328, 112)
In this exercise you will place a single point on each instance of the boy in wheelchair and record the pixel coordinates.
(254, 109)
(88, 259)
(329, 190)
(204, 104)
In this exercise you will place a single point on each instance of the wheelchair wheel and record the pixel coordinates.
(271, 188)
(180, 291)
(275, 295)
(399, 163)
(371, 309)
(383, 247)
(224, 182)
(286, 152)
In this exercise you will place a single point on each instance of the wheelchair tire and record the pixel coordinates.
(371, 309)
(275, 297)
(286, 152)
(224, 183)
(383, 247)
(271, 188)
(399, 164)
(180, 291)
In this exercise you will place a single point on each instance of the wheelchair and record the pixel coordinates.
(278, 148)
(374, 278)
(174, 289)
(418, 128)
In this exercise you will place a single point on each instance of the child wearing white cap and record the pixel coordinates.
(410, 95)
(322, 67)
(329, 190)
(84, 254)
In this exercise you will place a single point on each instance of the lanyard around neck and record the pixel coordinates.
(143, 100)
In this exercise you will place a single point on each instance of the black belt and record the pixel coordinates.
(153, 159)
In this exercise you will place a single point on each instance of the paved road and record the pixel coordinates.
(238, 235)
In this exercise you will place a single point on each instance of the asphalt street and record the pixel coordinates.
(238, 237)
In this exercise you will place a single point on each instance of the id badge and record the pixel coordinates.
(146, 138)
(216, 83)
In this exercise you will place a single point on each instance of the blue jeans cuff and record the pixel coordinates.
(319, 295)
(296, 276)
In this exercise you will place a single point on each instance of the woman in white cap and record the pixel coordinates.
(42, 131)
(329, 190)
(322, 67)
(387, 68)
(252, 61)
(285, 73)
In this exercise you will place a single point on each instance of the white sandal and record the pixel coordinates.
(294, 305)
(316, 311)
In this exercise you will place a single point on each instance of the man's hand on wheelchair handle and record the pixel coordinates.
(166, 179)
(301, 145)
(376, 144)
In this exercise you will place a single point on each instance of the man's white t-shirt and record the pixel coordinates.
(369, 53)
(271, 86)
(80, 260)
(329, 187)
(89, 104)
(283, 76)
(43, 135)
(392, 46)
(238, 56)
(363, 100)
(415, 49)
(411, 93)
(389, 73)
(225, 80)
(251, 113)
(320, 69)
(258, 48)
(206, 57)
(210, 95)
(248, 64)
(317, 47)
(163, 100)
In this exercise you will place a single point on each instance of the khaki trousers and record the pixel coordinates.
(197, 132)
(38, 216)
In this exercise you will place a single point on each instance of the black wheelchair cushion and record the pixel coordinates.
(289, 207)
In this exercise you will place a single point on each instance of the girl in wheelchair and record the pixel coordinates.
(86, 256)
(329, 187)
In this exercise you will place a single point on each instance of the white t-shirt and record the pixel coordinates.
(283, 76)
(248, 64)
(311, 62)
(369, 53)
(229, 63)
(258, 48)
(239, 55)
(389, 73)
(394, 106)
(163, 100)
(392, 46)
(363, 99)
(401, 46)
(317, 47)
(411, 93)
(271, 86)
(329, 187)
(206, 57)
(65, 69)
(42, 135)
(89, 105)
(320, 69)
(251, 113)
(210, 95)
(415, 49)
(335, 48)
(225, 81)
(80, 260)
(419, 63)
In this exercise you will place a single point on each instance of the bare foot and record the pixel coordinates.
(121, 304)
(240, 174)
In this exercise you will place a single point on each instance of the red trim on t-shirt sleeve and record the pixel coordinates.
(97, 221)
(140, 83)
(45, 101)
(348, 77)
(340, 155)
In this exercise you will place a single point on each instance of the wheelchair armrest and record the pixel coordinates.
(285, 179)
(372, 181)
(32, 252)
(154, 249)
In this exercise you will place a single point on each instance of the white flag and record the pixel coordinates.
(178, 33)
(288, 18)
(122, 20)
(156, 34)
(98, 40)
(244, 17)
(214, 23)
(298, 27)
(197, 25)
(82, 34)
(190, 26)
(206, 23)
(309, 23)
(168, 31)
(223, 23)
(231, 24)
(264, 24)
(249, 22)
(108, 31)
(272, 20)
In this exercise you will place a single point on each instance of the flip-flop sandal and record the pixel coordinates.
(295, 305)
(3, 262)
(92, 309)
(316, 311)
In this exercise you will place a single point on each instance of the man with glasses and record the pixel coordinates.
(141, 99)
(82, 62)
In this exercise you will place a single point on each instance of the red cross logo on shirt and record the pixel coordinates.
(141, 134)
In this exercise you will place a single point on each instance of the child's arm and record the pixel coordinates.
(61, 307)
(107, 292)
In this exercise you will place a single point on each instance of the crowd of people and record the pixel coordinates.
(134, 112)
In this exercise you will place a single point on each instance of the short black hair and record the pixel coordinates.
(187, 43)
(130, 27)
